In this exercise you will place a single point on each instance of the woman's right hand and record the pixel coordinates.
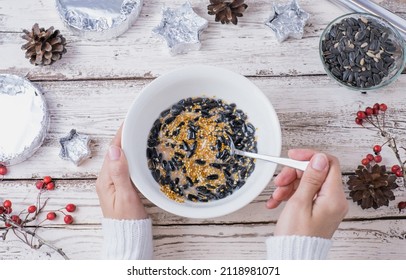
(316, 203)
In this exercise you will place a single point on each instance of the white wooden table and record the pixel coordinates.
(91, 89)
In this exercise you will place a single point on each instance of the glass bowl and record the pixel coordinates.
(362, 51)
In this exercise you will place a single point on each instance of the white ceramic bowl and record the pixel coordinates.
(198, 81)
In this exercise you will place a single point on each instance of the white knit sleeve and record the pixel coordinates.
(127, 239)
(297, 248)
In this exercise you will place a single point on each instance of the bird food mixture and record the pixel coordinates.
(189, 150)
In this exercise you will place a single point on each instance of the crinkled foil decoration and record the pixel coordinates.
(99, 19)
(25, 119)
(181, 29)
(75, 147)
(287, 20)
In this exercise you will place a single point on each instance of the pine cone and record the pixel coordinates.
(44, 47)
(372, 186)
(227, 11)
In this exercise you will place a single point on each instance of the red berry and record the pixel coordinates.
(39, 184)
(47, 179)
(368, 111)
(377, 148)
(370, 157)
(7, 224)
(378, 158)
(2, 210)
(32, 209)
(50, 186)
(3, 170)
(68, 219)
(375, 111)
(16, 219)
(399, 173)
(7, 203)
(402, 205)
(365, 161)
(70, 207)
(361, 115)
(395, 168)
(51, 216)
(358, 121)
(383, 107)
(9, 210)
(376, 106)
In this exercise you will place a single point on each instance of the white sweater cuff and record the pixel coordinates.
(127, 239)
(297, 248)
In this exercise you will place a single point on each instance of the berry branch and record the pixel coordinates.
(24, 231)
(375, 116)
(25, 224)
(372, 185)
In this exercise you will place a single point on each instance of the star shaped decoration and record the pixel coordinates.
(287, 20)
(75, 147)
(181, 28)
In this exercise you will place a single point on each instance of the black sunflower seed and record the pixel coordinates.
(166, 180)
(202, 189)
(156, 174)
(169, 120)
(192, 150)
(153, 142)
(185, 146)
(151, 165)
(165, 113)
(212, 177)
(200, 162)
(210, 186)
(171, 165)
(216, 165)
(149, 153)
(190, 181)
(176, 109)
(176, 132)
(227, 173)
(191, 135)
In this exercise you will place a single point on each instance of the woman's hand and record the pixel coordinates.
(316, 203)
(117, 195)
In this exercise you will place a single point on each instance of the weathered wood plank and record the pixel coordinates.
(81, 243)
(138, 53)
(360, 240)
(353, 240)
(314, 113)
(82, 193)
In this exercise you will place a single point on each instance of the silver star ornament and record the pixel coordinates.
(181, 29)
(75, 147)
(287, 20)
